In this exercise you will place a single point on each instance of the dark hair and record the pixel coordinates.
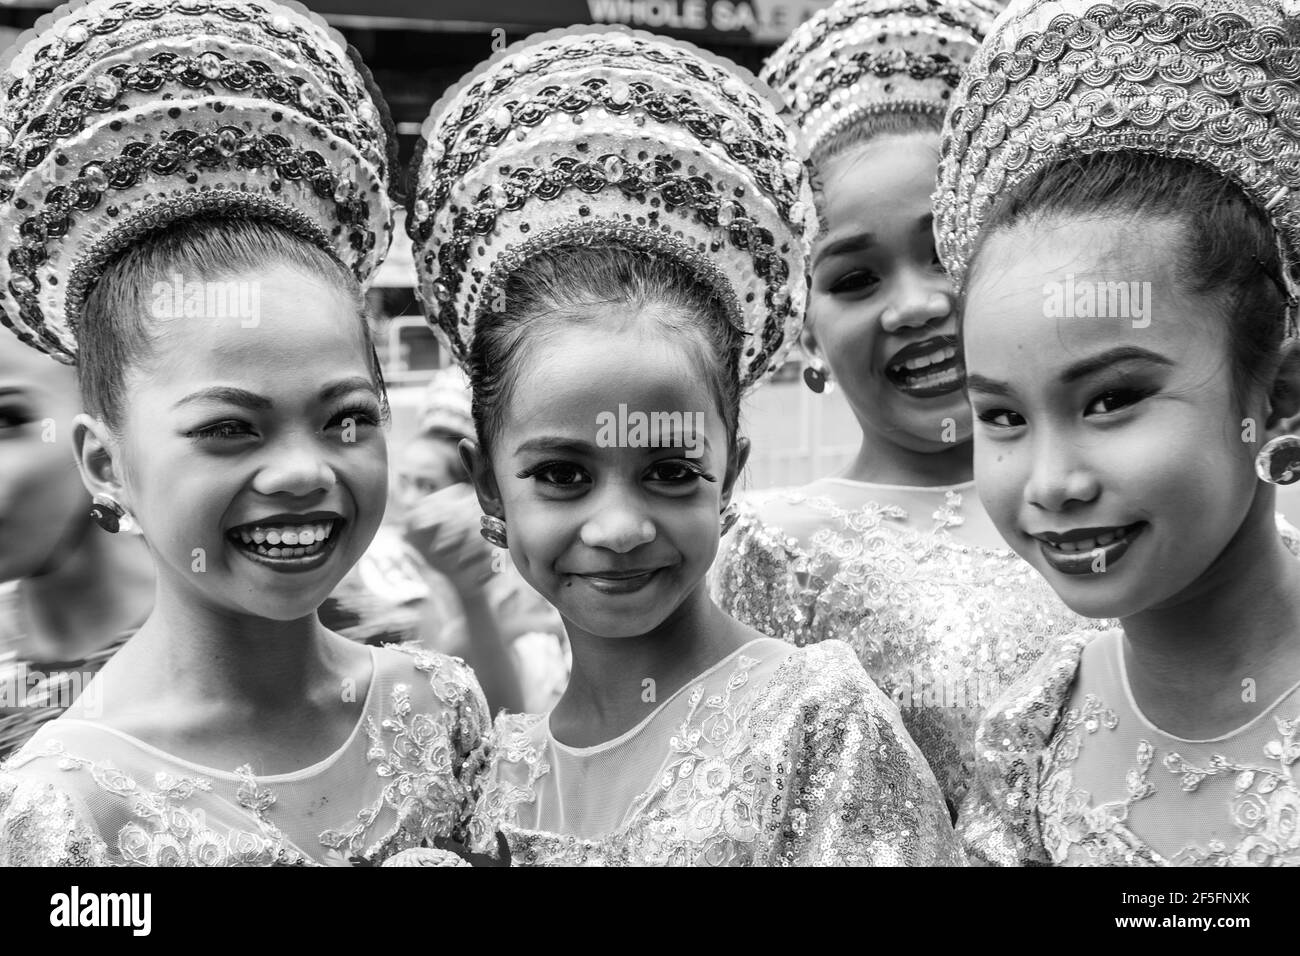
(1229, 248)
(567, 286)
(116, 333)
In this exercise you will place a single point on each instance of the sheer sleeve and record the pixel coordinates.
(43, 825)
(998, 822)
(857, 791)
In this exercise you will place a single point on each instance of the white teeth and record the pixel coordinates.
(259, 536)
(1089, 544)
(307, 536)
(273, 537)
(290, 538)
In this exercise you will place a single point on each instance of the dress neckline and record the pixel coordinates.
(928, 489)
(629, 734)
(1146, 722)
(291, 776)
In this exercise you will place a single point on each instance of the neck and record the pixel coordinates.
(201, 652)
(881, 461)
(616, 682)
(103, 587)
(1204, 664)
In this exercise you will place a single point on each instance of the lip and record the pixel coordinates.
(911, 382)
(1082, 562)
(290, 565)
(619, 582)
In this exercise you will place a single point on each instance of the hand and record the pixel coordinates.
(444, 528)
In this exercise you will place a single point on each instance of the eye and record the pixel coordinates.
(677, 472)
(1114, 400)
(14, 418)
(560, 474)
(366, 416)
(858, 281)
(1001, 418)
(222, 430)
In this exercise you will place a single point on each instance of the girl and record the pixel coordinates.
(893, 555)
(76, 593)
(611, 232)
(1126, 236)
(233, 218)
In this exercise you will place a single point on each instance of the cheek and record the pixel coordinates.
(1000, 476)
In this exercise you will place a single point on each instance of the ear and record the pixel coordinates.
(99, 459)
(480, 473)
(735, 465)
(808, 342)
(1284, 399)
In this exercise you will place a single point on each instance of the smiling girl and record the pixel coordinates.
(1128, 451)
(608, 222)
(202, 264)
(893, 555)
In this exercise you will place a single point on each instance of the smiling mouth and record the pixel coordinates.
(1087, 550)
(287, 544)
(926, 369)
(620, 582)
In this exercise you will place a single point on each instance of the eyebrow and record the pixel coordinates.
(1082, 369)
(855, 243)
(550, 444)
(245, 399)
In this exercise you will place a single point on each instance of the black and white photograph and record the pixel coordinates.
(652, 433)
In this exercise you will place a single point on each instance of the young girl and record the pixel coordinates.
(893, 555)
(611, 231)
(201, 195)
(75, 593)
(1126, 236)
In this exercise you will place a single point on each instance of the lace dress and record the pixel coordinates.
(941, 626)
(774, 756)
(81, 793)
(1071, 773)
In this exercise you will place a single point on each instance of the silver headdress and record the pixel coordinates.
(1213, 82)
(120, 116)
(860, 57)
(601, 134)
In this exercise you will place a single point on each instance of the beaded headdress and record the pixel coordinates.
(601, 135)
(118, 117)
(1213, 82)
(857, 58)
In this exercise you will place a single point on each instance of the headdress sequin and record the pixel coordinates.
(1213, 82)
(120, 116)
(598, 134)
(856, 58)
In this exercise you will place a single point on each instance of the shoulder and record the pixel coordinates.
(44, 815)
(421, 679)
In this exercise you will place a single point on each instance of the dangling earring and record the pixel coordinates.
(1278, 462)
(107, 513)
(730, 515)
(814, 375)
(493, 530)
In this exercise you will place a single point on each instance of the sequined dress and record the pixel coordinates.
(1071, 773)
(941, 626)
(776, 755)
(80, 793)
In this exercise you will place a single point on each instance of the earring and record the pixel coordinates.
(815, 376)
(107, 513)
(493, 530)
(730, 515)
(1278, 462)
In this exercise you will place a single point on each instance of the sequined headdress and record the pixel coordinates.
(1213, 82)
(597, 134)
(856, 58)
(120, 116)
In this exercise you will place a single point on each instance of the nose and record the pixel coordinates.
(297, 468)
(918, 299)
(617, 524)
(1059, 476)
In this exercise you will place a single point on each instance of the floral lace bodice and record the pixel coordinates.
(776, 756)
(942, 627)
(1072, 774)
(80, 793)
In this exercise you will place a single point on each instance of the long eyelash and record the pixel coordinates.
(372, 415)
(691, 467)
(543, 466)
(215, 430)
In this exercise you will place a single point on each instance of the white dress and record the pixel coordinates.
(81, 793)
(776, 755)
